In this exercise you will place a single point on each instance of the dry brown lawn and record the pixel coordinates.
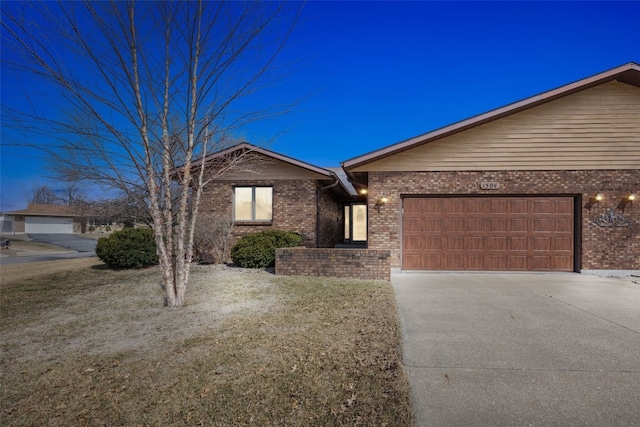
(85, 345)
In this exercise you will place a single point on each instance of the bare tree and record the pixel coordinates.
(142, 90)
(43, 195)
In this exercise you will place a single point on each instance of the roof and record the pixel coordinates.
(628, 73)
(336, 174)
(255, 149)
(34, 209)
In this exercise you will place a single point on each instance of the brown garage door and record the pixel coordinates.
(481, 233)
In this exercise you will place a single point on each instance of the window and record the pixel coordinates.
(355, 223)
(253, 204)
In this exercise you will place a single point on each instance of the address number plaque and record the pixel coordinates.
(489, 185)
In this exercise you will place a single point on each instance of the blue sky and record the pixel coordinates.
(376, 73)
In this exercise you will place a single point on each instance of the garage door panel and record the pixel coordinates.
(541, 262)
(518, 225)
(541, 244)
(430, 262)
(518, 243)
(432, 225)
(541, 206)
(562, 244)
(454, 225)
(475, 243)
(518, 262)
(517, 206)
(541, 225)
(489, 233)
(563, 263)
(563, 225)
(498, 206)
(498, 262)
(475, 262)
(455, 261)
(413, 262)
(453, 206)
(413, 205)
(498, 225)
(563, 207)
(413, 224)
(497, 243)
(455, 243)
(432, 243)
(433, 206)
(413, 243)
(477, 225)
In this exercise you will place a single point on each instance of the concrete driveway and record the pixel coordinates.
(519, 349)
(69, 241)
(81, 246)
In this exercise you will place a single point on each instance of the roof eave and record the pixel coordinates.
(252, 148)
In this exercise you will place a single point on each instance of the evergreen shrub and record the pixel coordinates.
(258, 250)
(128, 248)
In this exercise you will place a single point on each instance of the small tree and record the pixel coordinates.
(144, 90)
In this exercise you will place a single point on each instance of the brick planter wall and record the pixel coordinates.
(368, 264)
(602, 248)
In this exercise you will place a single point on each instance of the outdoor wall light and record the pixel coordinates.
(626, 200)
(596, 198)
(363, 191)
(380, 203)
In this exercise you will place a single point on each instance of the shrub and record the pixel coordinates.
(258, 250)
(212, 239)
(128, 248)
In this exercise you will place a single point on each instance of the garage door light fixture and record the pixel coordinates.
(593, 200)
(626, 200)
(380, 203)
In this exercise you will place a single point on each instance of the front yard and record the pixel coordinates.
(86, 345)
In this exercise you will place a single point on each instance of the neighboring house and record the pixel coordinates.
(544, 184)
(266, 190)
(45, 219)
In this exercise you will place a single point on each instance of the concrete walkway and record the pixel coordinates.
(521, 349)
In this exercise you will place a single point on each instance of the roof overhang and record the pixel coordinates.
(628, 73)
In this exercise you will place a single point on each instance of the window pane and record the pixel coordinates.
(360, 222)
(347, 223)
(264, 203)
(242, 203)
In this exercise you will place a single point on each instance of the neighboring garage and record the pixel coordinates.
(48, 225)
(548, 183)
(46, 219)
(488, 233)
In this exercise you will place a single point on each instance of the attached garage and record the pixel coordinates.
(549, 183)
(488, 233)
(48, 225)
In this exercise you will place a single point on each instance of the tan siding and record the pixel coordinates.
(269, 169)
(598, 128)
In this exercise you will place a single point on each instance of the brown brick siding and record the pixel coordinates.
(330, 217)
(355, 263)
(605, 248)
(294, 207)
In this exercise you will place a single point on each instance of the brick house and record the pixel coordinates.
(544, 184)
(266, 190)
